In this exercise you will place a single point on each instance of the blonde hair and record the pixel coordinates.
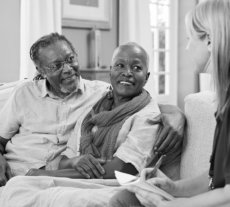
(212, 18)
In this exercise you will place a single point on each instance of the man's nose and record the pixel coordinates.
(66, 68)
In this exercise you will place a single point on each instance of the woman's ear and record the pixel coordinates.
(208, 43)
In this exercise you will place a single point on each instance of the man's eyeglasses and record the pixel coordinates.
(57, 66)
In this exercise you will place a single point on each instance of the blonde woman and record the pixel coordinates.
(208, 28)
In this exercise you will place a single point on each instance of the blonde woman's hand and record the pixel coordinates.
(165, 184)
(147, 171)
(146, 198)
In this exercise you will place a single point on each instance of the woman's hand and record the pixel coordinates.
(145, 195)
(160, 180)
(150, 199)
(88, 166)
(146, 198)
(165, 184)
(146, 172)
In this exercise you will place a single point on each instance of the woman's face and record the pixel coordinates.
(198, 50)
(129, 71)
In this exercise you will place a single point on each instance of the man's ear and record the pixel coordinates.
(40, 71)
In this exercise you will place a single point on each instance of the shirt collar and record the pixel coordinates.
(45, 91)
(81, 87)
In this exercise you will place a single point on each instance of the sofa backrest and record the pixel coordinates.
(199, 111)
(6, 89)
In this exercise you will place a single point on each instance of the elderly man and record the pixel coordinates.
(40, 116)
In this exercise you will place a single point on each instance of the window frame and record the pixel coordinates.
(171, 97)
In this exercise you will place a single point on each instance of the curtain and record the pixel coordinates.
(38, 18)
(134, 26)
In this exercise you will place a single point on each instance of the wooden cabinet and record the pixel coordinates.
(96, 74)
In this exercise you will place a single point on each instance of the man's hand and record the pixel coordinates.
(88, 166)
(5, 172)
(171, 133)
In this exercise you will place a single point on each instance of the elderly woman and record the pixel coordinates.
(117, 134)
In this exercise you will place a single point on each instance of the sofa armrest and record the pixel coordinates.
(199, 111)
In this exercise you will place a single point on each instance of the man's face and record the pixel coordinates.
(129, 71)
(60, 66)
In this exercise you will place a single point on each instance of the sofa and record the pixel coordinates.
(199, 111)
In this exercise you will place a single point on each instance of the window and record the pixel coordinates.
(163, 20)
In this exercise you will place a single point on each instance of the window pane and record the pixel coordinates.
(163, 16)
(154, 33)
(161, 86)
(167, 39)
(165, 2)
(91, 3)
(167, 62)
(161, 61)
(167, 81)
(153, 15)
(162, 39)
(156, 61)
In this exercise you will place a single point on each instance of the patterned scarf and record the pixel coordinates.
(101, 126)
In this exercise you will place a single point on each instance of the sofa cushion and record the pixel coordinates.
(5, 91)
(199, 110)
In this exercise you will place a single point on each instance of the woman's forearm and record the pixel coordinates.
(218, 197)
(191, 187)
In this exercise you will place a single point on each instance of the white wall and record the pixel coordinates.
(109, 40)
(10, 36)
(187, 75)
(9, 40)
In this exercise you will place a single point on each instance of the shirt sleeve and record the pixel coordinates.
(73, 144)
(9, 121)
(137, 149)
